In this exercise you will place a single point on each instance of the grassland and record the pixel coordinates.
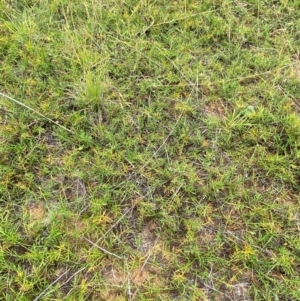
(153, 153)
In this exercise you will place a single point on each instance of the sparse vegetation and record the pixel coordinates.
(175, 174)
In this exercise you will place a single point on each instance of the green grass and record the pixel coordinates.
(158, 155)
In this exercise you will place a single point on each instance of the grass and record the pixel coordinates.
(154, 152)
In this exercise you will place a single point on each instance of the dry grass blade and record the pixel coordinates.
(55, 281)
(35, 111)
(102, 249)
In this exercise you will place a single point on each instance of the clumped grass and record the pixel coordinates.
(163, 162)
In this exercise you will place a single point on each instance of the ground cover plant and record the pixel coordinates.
(149, 150)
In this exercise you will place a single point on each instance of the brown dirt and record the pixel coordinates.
(216, 108)
(124, 282)
(37, 213)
